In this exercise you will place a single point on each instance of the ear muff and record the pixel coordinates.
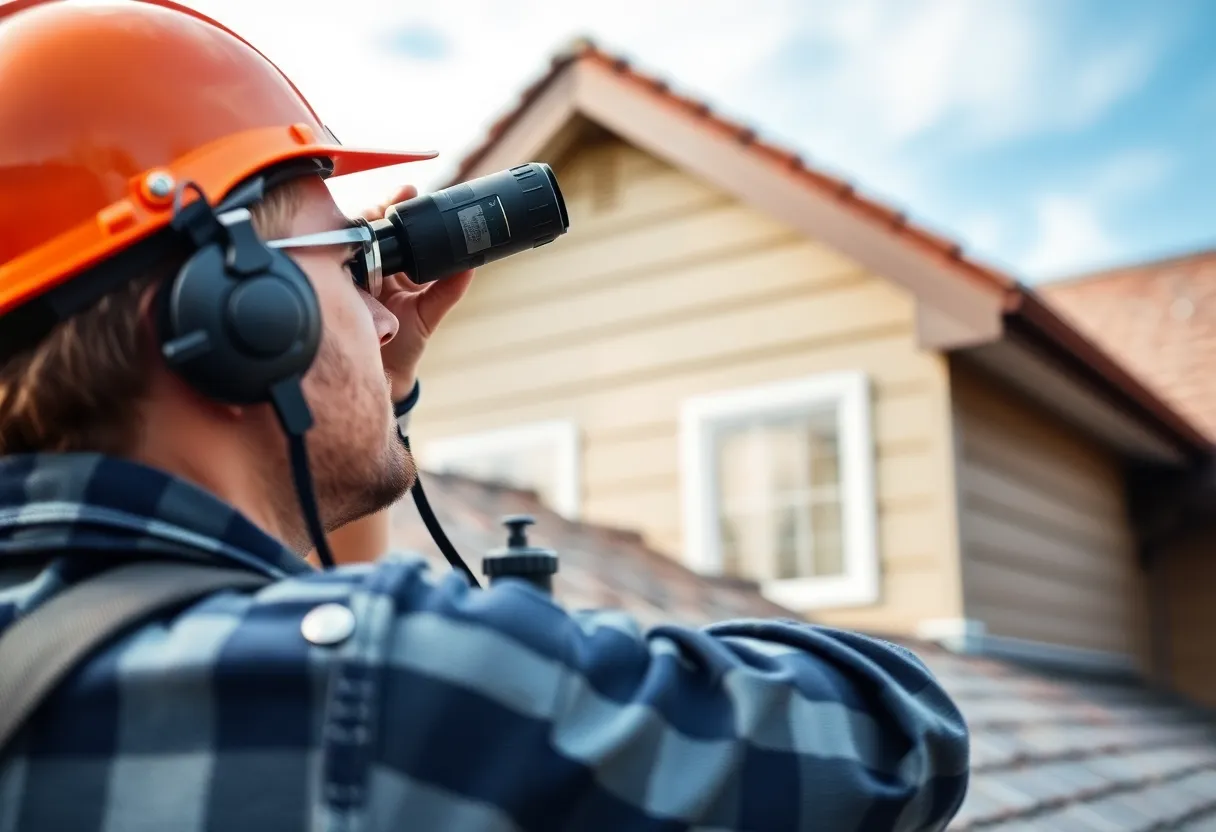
(240, 318)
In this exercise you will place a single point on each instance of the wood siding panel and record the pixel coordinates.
(1189, 567)
(663, 290)
(1048, 552)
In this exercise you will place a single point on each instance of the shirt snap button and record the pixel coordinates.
(328, 624)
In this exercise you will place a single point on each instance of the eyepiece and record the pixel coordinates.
(437, 235)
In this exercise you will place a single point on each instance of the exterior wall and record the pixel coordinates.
(667, 289)
(1048, 551)
(1188, 574)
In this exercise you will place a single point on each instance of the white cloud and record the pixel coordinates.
(1070, 237)
(946, 61)
(990, 72)
(1131, 173)
(370, 96)
(1071, 228)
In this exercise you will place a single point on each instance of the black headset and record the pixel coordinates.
(240, 322)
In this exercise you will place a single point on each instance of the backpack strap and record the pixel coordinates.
(40, 649)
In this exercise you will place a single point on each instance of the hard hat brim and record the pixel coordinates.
(348, 160)
(215, 169)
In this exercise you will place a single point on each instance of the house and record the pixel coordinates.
(1048, 751)
(1159, 318)
(776, 380)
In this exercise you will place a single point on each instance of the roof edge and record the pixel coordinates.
(559, 64)
(1028, 314)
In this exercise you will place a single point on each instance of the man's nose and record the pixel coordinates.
(386, 322)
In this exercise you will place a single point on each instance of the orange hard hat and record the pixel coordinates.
(105, 107)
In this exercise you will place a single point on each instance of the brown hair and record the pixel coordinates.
(80, 388)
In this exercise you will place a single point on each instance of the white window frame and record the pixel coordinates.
(849, 393)
(562, 435)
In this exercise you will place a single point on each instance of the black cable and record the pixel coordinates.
(308, 500)
(287, 398)
(432, 523)
(295, 417)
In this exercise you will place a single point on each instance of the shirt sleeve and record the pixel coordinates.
(497, 709)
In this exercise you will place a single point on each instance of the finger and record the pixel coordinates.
(399, 284)
(403, 193)
(438, 298)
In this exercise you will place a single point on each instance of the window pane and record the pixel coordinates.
(741, 476)
(743, 508)
(779, 497)
(823, 447)
(787, 458)
(828, 539)
(744, 544)
(791, 543)
(732, 548)
(825, 508)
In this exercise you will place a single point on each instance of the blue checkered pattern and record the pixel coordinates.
(448, 708)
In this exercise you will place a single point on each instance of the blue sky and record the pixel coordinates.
(1048, 136)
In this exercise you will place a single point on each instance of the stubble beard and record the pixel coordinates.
(358, 467)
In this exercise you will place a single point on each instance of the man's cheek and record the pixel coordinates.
(347, 315)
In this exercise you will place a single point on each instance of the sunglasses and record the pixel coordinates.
(365, 267)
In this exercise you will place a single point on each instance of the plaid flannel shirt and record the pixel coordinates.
(448, 708)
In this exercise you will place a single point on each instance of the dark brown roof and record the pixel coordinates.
(1159, 318)
(1048, 752)
(1024, 311)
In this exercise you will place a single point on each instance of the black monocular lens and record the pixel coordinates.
(437, 235)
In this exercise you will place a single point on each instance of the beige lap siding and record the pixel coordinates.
(666, 289)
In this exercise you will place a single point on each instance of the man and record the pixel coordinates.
(363, 697)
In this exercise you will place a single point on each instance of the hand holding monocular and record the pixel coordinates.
(434, 236)
(462, 227)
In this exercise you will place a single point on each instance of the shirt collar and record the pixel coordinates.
(66, 503)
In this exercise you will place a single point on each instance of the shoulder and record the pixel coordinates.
(239, 634)
(284, 613)
(235, 669)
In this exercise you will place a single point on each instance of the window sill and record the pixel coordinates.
(807, 594)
